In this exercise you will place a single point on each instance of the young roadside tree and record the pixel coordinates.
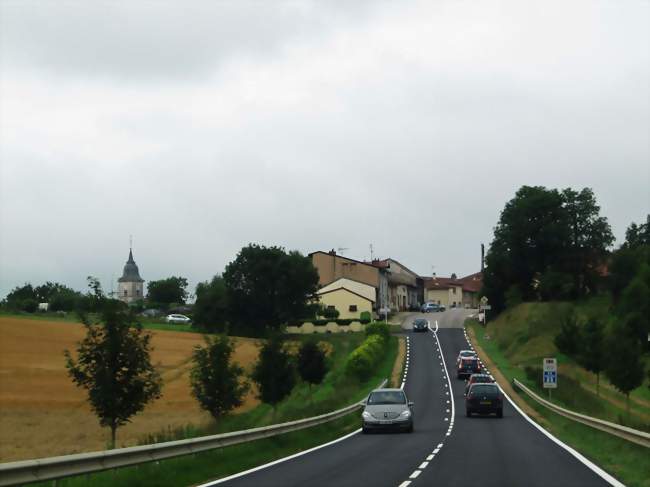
(114, 365)
(592, 353)
(274, 372)
(568, 340)
(624, 366)
(312, 365)
(267, 287)
(214, 379)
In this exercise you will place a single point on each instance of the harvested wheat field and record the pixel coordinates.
(43, 414)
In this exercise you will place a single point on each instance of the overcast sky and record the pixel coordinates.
(199, 127)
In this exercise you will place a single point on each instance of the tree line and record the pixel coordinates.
(113, 364)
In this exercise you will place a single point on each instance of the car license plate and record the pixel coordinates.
(385, 422)
(486, 403)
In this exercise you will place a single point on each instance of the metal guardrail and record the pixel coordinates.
(639, 437)
(23, 472)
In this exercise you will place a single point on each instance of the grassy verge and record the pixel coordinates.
(214, 464)
(626, 461)
(336, 391)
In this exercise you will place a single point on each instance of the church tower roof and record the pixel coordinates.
(131, 272)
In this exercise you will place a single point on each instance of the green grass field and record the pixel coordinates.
(336, 391)
(503, 341)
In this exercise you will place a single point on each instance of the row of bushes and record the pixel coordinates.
(341, 322)
(363, 360)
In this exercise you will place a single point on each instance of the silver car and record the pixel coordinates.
(387, 409)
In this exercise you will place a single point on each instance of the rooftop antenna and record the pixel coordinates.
(340, 250)
(433, 270)
(130, 242)
(371, 254)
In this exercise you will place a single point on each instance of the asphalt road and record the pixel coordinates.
(444, 450)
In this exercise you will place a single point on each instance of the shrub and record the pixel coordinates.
(365, 317)
(381, 329)
(330, 313)
(321, 322)
(344, 322)
(363, 360)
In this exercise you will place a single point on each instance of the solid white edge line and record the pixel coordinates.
(585, 461)
(280, 460)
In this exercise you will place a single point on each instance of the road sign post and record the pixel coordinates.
(483, 308)
(549, 370)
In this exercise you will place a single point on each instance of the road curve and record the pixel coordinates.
(473, 451)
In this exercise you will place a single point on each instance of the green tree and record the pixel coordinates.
(590, 235)
(624, 367)
(312, 365)
(214, 379)
(211, 307)
(633, 308)
(22, 298)
(167, 291)
(274, 372)
(638, 235)
(114, 366)
(267, 287)
(569, 338)
(592, 354)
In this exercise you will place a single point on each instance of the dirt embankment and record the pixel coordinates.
(396, 375)
(43, 414)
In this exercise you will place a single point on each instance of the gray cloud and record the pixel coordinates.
(407, 127)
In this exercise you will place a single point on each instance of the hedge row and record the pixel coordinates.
(340, 322)
(363, 360)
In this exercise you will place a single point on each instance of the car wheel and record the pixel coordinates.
(364, 430)
(500, 413)
(410, 430)
(468, 413)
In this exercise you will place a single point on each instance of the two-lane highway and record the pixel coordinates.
(444, 450)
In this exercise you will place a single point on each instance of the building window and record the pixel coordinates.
(137, 292)
(453, 290)
(126, 293)
(331, 307)
(353, 307)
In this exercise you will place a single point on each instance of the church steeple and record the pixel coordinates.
(130, 285)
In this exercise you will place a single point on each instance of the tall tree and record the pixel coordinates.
(592, 353)
(114, 365)
(312, 365)
(267, 287)
(637, 235)
(274, 372)
(569, 338)
(214, 379)
(211, 307)
(590, 237)
(172, 290)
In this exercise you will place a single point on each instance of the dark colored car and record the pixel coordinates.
(478, 379)
(420, 325)
(468, 366)
(484, 399)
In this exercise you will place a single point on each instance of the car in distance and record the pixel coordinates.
(464, 353)
(430, 307)
(386, 409)
(484, 399)
(478, 379)
(468, 366)
(441, 307)
(176, 318)
(420, 324)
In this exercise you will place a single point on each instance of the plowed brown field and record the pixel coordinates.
(43, 414)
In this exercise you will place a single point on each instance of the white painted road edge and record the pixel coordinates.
(280, 460)
(589, 464)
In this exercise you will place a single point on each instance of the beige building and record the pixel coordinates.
(453, 292)
(350, 298)
(332, 267)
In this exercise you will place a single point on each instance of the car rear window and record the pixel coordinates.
(484, 389)
(387, 397)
